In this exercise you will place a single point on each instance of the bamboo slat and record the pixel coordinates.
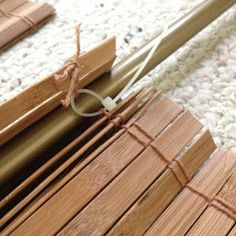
(12, 28)
(215, 222)
(98, 216)
(152, 203)
(188, 206)
(96, 175)
(44, 96)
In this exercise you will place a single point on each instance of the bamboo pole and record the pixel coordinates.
(56, 125)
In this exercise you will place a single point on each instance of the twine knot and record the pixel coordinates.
(71, 72)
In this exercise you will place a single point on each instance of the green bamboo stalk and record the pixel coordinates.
(19, 153)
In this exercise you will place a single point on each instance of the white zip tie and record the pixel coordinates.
(108, 102)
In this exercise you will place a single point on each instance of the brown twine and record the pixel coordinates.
(170, 164)
(143, 131)
(26, 19)
(71, 72)
(224, 206)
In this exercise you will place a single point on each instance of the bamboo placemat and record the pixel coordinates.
(18, 17)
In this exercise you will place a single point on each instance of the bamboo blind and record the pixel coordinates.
(125, 186)
(18, 17)
(136, 182)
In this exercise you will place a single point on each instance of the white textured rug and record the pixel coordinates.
(201, 75)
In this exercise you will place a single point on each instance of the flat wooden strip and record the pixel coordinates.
(90, 181)
(162, 117)
(98, 217)
(178, 135)
(213, 221)
(36, 101)
(152, 203)
(188, 206)
(13, 27)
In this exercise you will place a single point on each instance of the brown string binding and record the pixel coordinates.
(168, 162)
(26, 19)
(71, 72)
(224, 206)
(143, 131)
(134, 135)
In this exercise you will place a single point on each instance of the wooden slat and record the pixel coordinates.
(98, 217)
(188, 206)
(90, 180)
(44, 96)
(152, 203)
(176, 136)
(213, 221)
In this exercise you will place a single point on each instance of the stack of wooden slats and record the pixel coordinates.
(138, 181)
(18, 17)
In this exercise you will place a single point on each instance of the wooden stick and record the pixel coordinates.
(131, 150)
(152, 203)
(188, 206)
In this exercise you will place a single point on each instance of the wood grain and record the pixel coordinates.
(90, 180)
(188, 206)
(38, 100)
(212, 221)
(152, 203)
